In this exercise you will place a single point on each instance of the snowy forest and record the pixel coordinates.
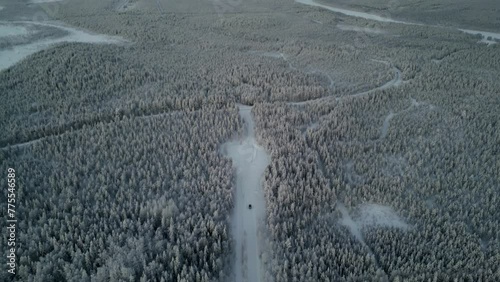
(382, 137)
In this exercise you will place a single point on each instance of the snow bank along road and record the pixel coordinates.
(250, 161)
(378, 18)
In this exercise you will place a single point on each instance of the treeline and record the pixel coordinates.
(140, 199)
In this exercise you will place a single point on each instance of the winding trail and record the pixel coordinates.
(279, 55)
(328, 76)
(70, 128)
(384, 130)
(250, 161)
(396, 81)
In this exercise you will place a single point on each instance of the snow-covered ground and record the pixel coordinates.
(348, 222)
(350, 12)
(125, 5)
(360, 29)
(279, 55)
(271, 54)
(44, 1)
(22, 145)
(11, 56)
(250, 161)
(312, 126)
(370, 215)
(379, 215)
(12, 30)
(488, 37)
(385, 125)
(395, 82)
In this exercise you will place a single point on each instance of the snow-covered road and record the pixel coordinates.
(250, 161)
(350, 12)
(488, 37)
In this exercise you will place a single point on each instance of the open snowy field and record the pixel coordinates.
(12, 30)
(26, 30)
(8, 30)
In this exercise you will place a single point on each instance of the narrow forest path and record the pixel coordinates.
(82, 124)
(250, 161)
(396, 81)
(279, 55)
